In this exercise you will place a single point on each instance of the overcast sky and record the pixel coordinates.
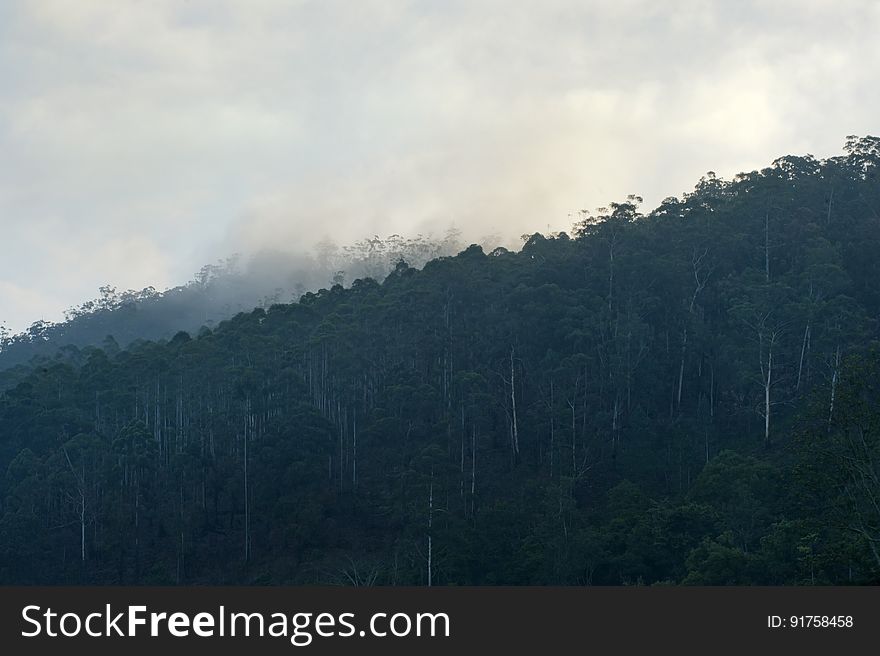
(142, 139)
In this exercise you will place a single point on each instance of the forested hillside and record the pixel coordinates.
(218, 291)
(687, 396)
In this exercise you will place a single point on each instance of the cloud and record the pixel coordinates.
(28, 301)
(177, 132)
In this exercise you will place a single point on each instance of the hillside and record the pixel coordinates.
(684, 396)
(218, 291)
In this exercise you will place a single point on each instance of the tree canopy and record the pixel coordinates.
(687, 395)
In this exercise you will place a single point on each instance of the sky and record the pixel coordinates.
(142, 139)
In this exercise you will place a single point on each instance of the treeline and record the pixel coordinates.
(687, 396)
(217, 292)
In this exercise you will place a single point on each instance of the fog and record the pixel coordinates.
(143, 140)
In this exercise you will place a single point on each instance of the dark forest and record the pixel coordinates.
(685, 396)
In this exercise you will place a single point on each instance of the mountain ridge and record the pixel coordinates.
(646, 400)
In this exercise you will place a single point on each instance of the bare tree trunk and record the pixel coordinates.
(354, 451)
(82, 529)
(573, 439)
(684, 340)
(830, 203)
(698, 279)
(610, 272)
(712, 389)
(430, 527)
(614, 425)
(834, 377)
(81, 493)
(180, 550)
(515, 433)
(473, 465)
(247, 516)
(552, 431)
(341, 447)
(461, 460)
(768, 382)
(803, 354)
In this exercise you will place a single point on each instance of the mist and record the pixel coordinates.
(143, 140)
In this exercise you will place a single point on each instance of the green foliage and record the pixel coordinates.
(685, 396)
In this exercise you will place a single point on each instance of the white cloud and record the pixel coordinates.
(142, 139)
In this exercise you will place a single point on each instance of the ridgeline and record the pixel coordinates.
(690, 395)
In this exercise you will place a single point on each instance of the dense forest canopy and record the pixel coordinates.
(686, 396)
(216, 292)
